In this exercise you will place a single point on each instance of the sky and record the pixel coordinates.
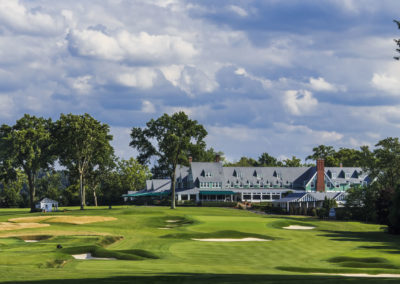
(275, 76)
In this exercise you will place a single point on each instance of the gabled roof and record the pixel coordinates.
(48, 200)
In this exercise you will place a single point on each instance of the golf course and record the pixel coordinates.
(140, 244)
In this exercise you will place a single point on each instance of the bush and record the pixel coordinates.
(322, 213)
(275, 210)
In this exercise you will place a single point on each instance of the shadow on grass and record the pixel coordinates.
(219, 278)
(390, 243)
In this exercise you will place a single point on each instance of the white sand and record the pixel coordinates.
(89, 256)
(172, 221)
(30, 241)
(297, 227)
(362, 275)
(232, 240)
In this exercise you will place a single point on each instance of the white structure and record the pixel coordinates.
(47, 205)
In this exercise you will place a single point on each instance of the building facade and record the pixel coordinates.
(210, 181)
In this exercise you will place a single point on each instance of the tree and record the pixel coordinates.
(293, 162)
(10, 190)
(27, 145)
(244, 162)
(208, 155)
(171, 139)
(49, 184)
(83, 143)
(324, 152)
(265, 160)
(397, 41)
(133, 175)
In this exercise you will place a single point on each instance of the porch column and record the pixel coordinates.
(287, 206)
(197, 197)
(179, 197)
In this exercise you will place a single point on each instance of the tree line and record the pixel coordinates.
(30, 148)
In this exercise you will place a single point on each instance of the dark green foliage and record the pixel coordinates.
(108, 240)
(82, 144)
(397, 41)
(27, 145)
(171, 139)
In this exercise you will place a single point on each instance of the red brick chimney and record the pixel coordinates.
(217, 158)
(190, 159)
(320, 175)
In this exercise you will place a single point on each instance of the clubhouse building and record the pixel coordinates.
(283, 186)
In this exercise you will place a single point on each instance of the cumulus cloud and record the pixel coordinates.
(137, 49)
(299, 102)
(17, 17)
(319, 84)
(148, 107)
(387, 83)
(143, 78)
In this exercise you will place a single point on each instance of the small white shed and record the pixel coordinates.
(47, 205)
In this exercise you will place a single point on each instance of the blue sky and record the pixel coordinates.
(262, 76)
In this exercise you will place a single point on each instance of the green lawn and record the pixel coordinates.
(147, 254)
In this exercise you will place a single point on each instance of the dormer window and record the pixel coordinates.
(207, 174)
(333, 174)
(347, 175)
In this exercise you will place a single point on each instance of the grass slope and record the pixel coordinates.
(147, 254)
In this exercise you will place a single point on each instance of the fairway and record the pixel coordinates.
(157, 244)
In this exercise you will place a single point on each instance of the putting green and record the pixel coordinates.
(144, 253)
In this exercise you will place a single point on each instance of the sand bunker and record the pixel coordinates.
(89, 256)
(29, 219)
(362, 275)
(77, 220)
(297, 227)
(172, 221)
(7, 226)
(233, 240)
(30, 241)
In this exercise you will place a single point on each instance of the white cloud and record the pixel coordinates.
(138, 49)
(82, 84)
(264, 82)
(238, 10)
(386, 83)
(319, 84)
(143, 78)
(299, 102)
(16, 16)
(148, 107)
(6, 106)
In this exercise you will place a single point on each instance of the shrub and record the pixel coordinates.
(217, 204)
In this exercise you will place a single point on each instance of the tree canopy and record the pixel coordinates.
(171, 139)
(27, 145)
(82, 143)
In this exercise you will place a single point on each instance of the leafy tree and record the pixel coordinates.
(83, 143)
(397, 41)
(266, 160)
(361, 203)
(324, 152)
(133, 175)
(10, 190)
(293, 162)
(243, 162)
(49, 184)
(208, 155)
(27, 145)
(171, 139)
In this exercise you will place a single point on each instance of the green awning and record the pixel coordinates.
(216, 192)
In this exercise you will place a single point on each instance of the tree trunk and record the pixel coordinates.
(95, 196)
(81, 190)
(31, 181)
(173, 188)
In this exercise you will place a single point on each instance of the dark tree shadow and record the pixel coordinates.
(219, 278)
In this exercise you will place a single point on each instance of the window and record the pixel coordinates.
(207, 174)
(184, 197)
(266, 197)
(247, 197)
(256, 196)
(275, 196)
